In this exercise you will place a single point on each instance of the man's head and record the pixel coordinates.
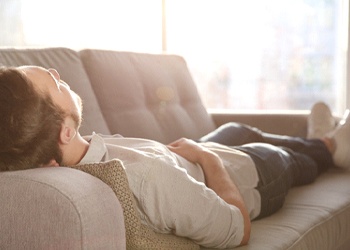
(39, 113)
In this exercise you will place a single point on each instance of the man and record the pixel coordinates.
(205, 191)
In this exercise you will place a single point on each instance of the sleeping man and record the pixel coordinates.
(237, 173)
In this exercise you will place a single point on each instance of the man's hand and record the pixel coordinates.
(216, 176)
(188, 149)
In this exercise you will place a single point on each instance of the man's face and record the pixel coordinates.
(48, 81)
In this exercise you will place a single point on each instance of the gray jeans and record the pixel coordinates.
(281, 161)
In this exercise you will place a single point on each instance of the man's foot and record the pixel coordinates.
(345, 117)
(341, 138)
(320, 121)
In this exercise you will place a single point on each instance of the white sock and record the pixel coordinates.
(341, 136)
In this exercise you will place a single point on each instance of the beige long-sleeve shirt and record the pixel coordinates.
(170, 192)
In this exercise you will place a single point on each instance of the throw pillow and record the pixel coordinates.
(138, 235)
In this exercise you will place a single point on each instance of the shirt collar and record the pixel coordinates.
(96, 151)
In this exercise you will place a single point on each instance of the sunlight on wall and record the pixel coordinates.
(108, 24)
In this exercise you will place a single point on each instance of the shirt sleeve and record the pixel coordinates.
(174, 202)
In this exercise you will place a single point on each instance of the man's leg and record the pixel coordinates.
(233, 134)
(278, 169)
(314, 148)
(236, 134)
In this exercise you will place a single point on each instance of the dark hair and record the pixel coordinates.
(30, 123)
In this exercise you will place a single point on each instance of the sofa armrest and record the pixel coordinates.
(58, 208)
(293, 123)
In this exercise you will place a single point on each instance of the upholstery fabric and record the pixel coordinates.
(138, 236)
(58, 208)
(70, 68)
(162, 101)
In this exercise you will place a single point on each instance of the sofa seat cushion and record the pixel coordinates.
(314, 216)
(67, 62)
(146, 95)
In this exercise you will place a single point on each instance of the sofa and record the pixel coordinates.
(149, 96)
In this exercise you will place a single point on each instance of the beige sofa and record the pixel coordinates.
(149, 96)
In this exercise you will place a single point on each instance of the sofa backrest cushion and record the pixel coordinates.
(71, 70)
(146, 95)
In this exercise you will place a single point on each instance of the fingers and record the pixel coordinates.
(177, 142)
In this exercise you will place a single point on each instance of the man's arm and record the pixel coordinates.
(216, 176)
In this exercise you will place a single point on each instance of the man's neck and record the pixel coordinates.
(75, 151)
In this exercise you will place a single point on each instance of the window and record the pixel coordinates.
(271, 54)
(106, 24)
(252, 54)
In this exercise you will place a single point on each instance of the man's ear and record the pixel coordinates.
(68, 132)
